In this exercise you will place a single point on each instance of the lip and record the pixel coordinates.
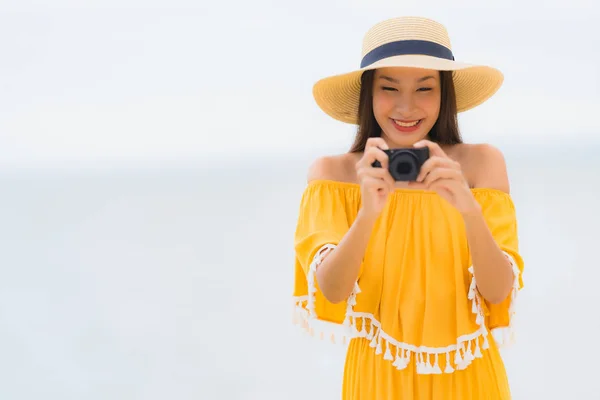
(405, 129)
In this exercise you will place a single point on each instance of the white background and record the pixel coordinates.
(152, 155)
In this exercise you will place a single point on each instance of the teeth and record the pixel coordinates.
(406, 124)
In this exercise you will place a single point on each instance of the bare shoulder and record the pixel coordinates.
(485, 166)
(338, 167)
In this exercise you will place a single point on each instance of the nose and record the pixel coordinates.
(405, 105)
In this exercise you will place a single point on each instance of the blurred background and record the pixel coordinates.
(152, 158)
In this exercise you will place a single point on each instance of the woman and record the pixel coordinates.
(416, 273)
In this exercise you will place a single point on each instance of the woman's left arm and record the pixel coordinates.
(492, 268)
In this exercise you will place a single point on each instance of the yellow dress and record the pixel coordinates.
(415, 324)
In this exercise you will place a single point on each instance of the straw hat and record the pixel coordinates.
(406, 42)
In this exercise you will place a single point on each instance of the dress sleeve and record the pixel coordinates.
(325, 215)
(500, 214)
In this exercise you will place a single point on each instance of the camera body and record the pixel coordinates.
(405, 164)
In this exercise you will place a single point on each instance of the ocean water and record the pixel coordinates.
(175, 283)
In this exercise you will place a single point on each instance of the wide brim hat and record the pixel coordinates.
(406, 42)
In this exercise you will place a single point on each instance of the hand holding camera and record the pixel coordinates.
(426, 166)
(375, 183)
(443, 175)
(404, 164)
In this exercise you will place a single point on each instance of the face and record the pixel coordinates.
(406, 103)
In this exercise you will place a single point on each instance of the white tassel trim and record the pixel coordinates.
(502, 335)
(457, 356)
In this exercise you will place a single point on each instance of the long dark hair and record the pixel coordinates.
(444, 131)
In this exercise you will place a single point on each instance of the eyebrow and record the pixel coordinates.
(389, 78)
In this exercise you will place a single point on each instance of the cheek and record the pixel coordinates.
(382, 105)
(431, 105)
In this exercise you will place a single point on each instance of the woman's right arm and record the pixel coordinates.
(338, 271)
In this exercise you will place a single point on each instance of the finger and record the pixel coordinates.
(433, 163)
(430, 165)
(442, 173)
(382, 174)
(389, 179)
(443, 186)
(376, 142)
(370, 172)
(434, 148)
(371, 155)
(375, 185)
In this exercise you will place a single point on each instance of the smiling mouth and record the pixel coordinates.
(407, 124)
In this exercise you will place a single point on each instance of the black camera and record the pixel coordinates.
(405, 164)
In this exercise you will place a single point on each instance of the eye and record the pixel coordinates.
(388, 88)
(424, 89)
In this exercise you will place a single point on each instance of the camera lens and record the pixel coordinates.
(403, 166)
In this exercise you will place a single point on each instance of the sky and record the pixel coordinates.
(105, 82)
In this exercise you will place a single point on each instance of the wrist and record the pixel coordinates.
(472, 212)
(365, 218)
